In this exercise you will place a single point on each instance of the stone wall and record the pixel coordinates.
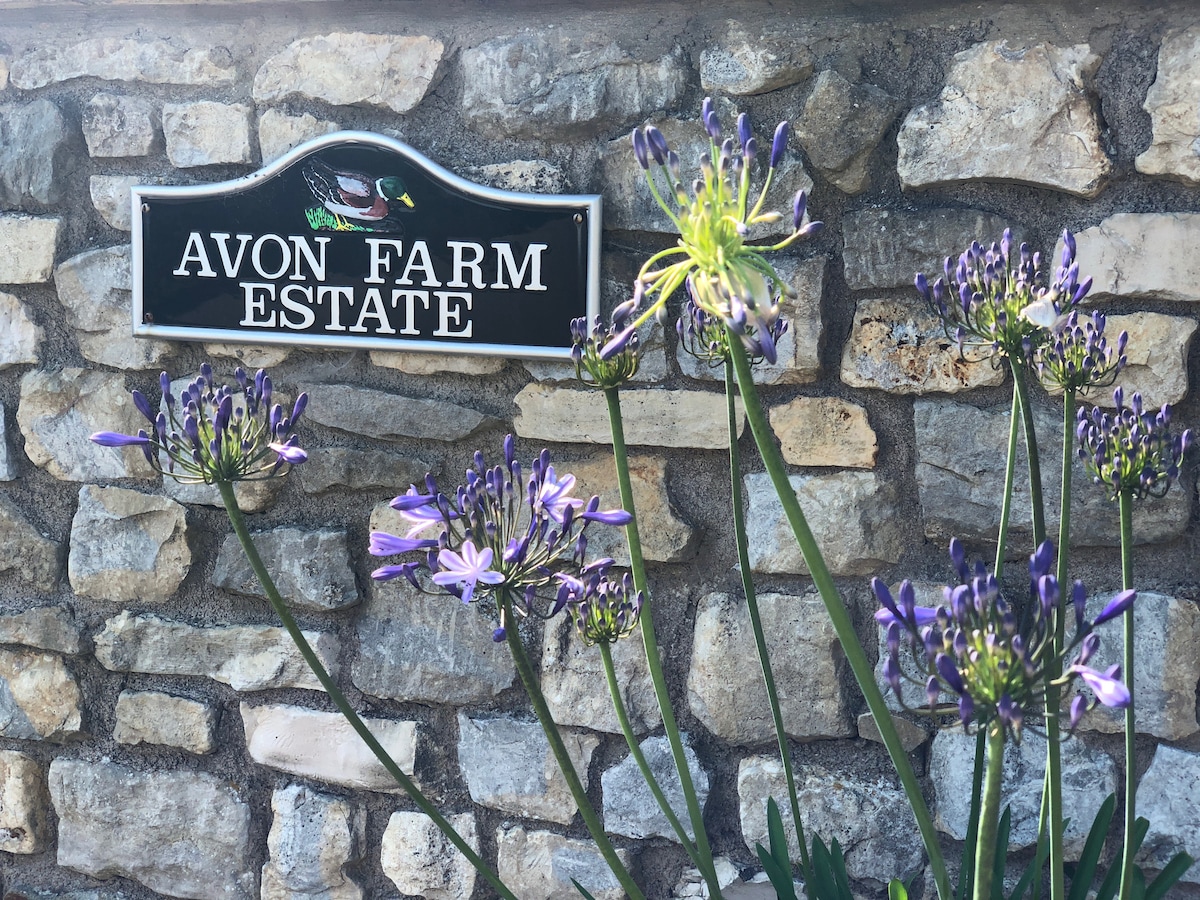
(158, 734)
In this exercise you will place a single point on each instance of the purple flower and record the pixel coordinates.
(554, 496)
(779, 144)
(639, 148)
(464, 570)
(384, 544)
(289, 453)
(113, 439)
(1131, 450)
(1106, 686)
(1115, 607)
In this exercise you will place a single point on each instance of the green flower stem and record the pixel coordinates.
(838, 614)
(1127, 852)
(559, 749)
(653, 660)
(760, 640)
(1010, 467)
(966, 875)
(339, 699)
(989, 816)
(1031, 450)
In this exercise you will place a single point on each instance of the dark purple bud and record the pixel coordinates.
(617, 343)
(799, 207)
(745, 135)
(657, 144)
(712, 125)
(405, 570)
(206, 372)
(1078, 707)
(299, 407)
(1042, 560)
(639, 148)
(113, 439)
(1115, 607)
(932, 690)
(164, 383)
(922, 284)
(289, 453)
(884, 596)
(966, 709)
(958, 556)
(607, 517)
(499, 634)
(1079, 601)
(750, 151)
(143, 405)
(1088, 648)
(891, 674)
(779, 143)
(1068, 254)
(949, 672)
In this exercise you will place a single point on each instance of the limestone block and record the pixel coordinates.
(183, 834)
(421, 861)
(8, 464)
(314, 838)
(1088, 776)
(840, 127)
(539, 84)
(35, 155)
(31, 556)
(540, 865)
(853, 515)
(127, 546)
(23, 803)
(250, 356)
(526, 176)
(386, 415)
(347, 469)
(1166, 796)
(1157, 357)
(279, 132)
(152, 717)
(124, 59)
(742, 62)
(322, 745)
(805, 660)
(824, 431)
(41, 627)
(116, 126)
(1009, 114)
(39, 697)
(206, 133)
(311, 569)
(111, 198)
(29, 245)
(252, 496)
(1141, 255)
(384, 71)
(245, 657)
(436, 363)
(20, 338)
(507, 765)
(1171, 105)
(960, 478)
(629, 807)
(901, 347)
(911, 735)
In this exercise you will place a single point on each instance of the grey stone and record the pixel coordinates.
(385, 415)
(245, 657)
(8, 468)
(252, 496)
(1088, 776)
(127, 546)
(206, 133)
(841, 125)
(20, 338)
(527, 176)
(742, 62)
(152, 717)
(886, 248)
(508, 765)
(35, 155)
(630, 808)
(539, 84)
(1170, 102)
(116, 126)
(347, 469)
(1141, 255)
(421, 861)
(1166, 796)
(311, 569)
(540, 865)
(314, 838)
(24, 803)
(39, 697)
(437, 363)
(824, 431)
(384, 71)
(30, 555)
(30, 244)
(805, 659)
(911, 735)
(322, 745)
(1009, 114)
(111, 198)
(183, 834)
(95, 287)
(960, 479)
(251, 357)
(124, 59)
(853, 515)
(279, 132)
(41, 627)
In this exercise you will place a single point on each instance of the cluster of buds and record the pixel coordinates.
(213, 433)
(1078, 357)
(991, 657)
(501, 536)
(604, 609)
(588, 348)
(1131, 449)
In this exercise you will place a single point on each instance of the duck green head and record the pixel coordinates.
(392, 188)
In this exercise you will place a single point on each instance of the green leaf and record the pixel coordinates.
(1003, 829)
(1089, 859)
(839, 870)
(579, 887)
(781, 879)
(823, 875)
(777, 836)
(1171, 873)
(897, 890)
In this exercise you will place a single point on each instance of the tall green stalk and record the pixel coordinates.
(989, 815)
(1010, 468)
(1037, 506)
(838, 614)
(1130, 847)
(238, 521)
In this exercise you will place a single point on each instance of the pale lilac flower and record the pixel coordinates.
(462, 570)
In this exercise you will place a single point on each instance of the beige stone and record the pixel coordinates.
(824, 431)
(206, 133)
(1157, 356)
(29, 244)
(111, 198)
(437, 363)
(539, 865)
(1171, 105)
(526, 176)
(744, 62)
(117, 126)
(1141, 255)
(911, 736)
(40, 699)
(152, 717)
(24, 803)
(421, 861)
(314, 839)
(41, 627)
(279, 132)
(20, 338)
(124, 59)
(251, 356)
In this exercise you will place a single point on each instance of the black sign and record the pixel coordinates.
(357, 240)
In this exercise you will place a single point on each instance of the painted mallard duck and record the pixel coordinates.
(354, 195)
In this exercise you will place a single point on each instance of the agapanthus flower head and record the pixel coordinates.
(1131, 449)
(603, 607)
(1077, 357)
(212, 433)
(608, 354)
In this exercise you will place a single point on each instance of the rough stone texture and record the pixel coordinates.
(8, 466)
(543, 85)
(1141, 255)
(23, 803)
(352, 69)
(507, 765)
(960, 475)
(1009, 114)
(116, 126)
(110, 197)
(436, 363)
(127, 546)
(20, 338)
(911, 736)
(39, 697)
(539, 865)
(1157, 357)
(279, 132)
(205, 133)
(152, 717)
(314, 838)
(35, 155)
(1171, 105)
(412, 648)
(824, 431)
(311, 569)
(805, 659)
(1088, 776)
(252, 496)
(166, 830)
(421, 861)
(900, 346)
(1166, 796)
(41, 627)
(657, 418)
(841, 125)
(245, 657)
(250, 356)
(744, 62)
(29, 244)
(852, 514)
(629, 807)
(527, 176)
(111, 59)
(386, 415)
(30, 555)
(322, 745)
(95, 287)
(572, 671)
(347, 469)
(885, 248)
